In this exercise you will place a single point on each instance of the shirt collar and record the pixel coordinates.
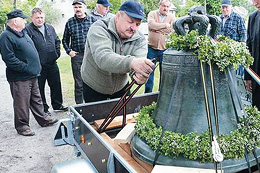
(85, 18)
(161, 14)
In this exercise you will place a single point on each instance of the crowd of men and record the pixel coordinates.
(104, 49)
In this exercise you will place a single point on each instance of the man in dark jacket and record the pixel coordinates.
(22, 70)
(47, 44)
(253, 43)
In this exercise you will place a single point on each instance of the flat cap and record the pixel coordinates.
(16, 13)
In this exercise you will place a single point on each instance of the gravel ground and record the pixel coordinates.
(36, 154)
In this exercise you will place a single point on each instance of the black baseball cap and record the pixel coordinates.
(78, 2)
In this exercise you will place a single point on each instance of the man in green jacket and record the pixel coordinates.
(114, 47)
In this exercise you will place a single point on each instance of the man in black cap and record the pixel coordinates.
(114, 47)
(22, 71)
(74, 38)
(101, 11)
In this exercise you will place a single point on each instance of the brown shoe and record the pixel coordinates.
(27, 132)
(50, 122)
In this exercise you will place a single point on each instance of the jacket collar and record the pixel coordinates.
(95, 12)
(19, 34)
(35, 27)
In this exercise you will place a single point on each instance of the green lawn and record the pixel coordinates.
(68, 83)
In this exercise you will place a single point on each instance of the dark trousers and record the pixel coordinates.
(51, 74)
(256, 95)
(158, 55)
(78, 83)
(91, 95)
(26, 97)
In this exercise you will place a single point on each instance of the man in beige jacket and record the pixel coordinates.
(159, 25)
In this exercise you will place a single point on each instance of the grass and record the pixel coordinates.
(64, 64)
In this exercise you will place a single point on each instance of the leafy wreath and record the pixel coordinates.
(224, 53)
(195, 146)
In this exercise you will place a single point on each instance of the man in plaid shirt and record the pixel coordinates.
(233, 25)
(74, 38)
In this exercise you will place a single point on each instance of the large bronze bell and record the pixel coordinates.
(181, 108)
(184, 111)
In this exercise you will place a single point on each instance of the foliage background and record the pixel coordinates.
(214, 6)
(26, 6)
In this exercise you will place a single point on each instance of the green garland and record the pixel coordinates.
(225, 53)
(195, 146)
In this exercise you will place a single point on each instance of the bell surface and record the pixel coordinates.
(181, 108)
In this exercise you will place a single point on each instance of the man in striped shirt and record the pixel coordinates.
(74, 38)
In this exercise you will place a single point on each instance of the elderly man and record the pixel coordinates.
(114, 47)
(22, 71)
(253, 43)
(74, 38)
(159, 25)
(101, 11)
(232, 24)
(47, 44)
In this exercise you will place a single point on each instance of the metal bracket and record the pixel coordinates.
(64, 133)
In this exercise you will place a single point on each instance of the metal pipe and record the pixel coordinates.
(253, 75)
(214, 99)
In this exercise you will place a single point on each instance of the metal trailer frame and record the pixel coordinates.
(77, 131)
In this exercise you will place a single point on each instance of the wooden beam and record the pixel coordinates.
(126, 134)
(127, 158)
(117, 121)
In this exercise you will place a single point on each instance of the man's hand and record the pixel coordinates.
(72, 53)
(143, 67)
(249, 85)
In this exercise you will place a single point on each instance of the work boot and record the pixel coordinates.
(27, 132)
(50, 122)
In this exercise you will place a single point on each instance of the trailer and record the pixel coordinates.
(97, 150)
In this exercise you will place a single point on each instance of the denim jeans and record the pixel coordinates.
(158, 55)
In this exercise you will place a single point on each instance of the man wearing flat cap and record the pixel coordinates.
(114, 47)
(101, 11)
(22, 71)
(74, 38)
